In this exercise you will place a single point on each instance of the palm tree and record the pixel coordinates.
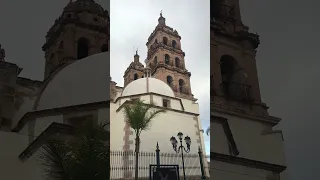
(139, 116)
(82, 158)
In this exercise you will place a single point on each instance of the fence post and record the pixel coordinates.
(201, 164)
(158, 155)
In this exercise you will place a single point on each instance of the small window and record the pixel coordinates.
(156, 41)
(167, 59)
(165, 40)
(155, 60)
(177, 62)
(169, 80)
(166, 103)
(95, 19)
(135, 77)
(174, 44)
(69, 16)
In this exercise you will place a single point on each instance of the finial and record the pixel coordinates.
(137, 51)
(161, 13)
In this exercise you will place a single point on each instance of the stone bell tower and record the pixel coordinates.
(242, 129)
(134, 71)
(166, 59)
(234, 77)
(82, 30)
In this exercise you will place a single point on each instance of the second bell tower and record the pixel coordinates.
(82, 30)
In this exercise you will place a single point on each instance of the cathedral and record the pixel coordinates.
(164, 81)
(244, 143)
(33, 112)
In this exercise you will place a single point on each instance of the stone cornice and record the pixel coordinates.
(150, 93)
(246, 162)
(219, 29)
(170, 32)
(58, 28)
(29, 82)
(56, 111)
(54, 128)
(160, 45)
(171, 68)
(158, 107)
(223, 109)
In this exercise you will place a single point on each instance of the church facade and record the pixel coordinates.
(244, 144)
(163, 81)
(33, 112)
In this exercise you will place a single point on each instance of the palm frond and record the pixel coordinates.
(151, 115)
(86, 156)
(54, 156)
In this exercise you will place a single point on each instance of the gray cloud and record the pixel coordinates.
(133, 21)
(288, 64)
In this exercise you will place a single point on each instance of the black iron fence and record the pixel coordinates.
(123, 164)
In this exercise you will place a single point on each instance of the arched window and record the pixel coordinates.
(156, 41)
(135, 76)
(169, 80)
(83, 48)
(177, 62)
(61, 45)
(181, 85)
(228, 67)
(165, 40)
(155, 60)
(234, 79)
(166, 58)
(104, 48)
(174, 44)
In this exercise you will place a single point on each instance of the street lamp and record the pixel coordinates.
(181, 148)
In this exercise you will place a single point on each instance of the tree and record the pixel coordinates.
(84, 157)
(139, 116)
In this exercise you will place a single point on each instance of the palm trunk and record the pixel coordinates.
(137, 157)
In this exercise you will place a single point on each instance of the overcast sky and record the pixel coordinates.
(288, 64)
(133, 21)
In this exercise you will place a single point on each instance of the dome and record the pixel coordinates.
(82, 82)
(85, 6)
(139, 86)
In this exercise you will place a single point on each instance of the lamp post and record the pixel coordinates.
(181, 148)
